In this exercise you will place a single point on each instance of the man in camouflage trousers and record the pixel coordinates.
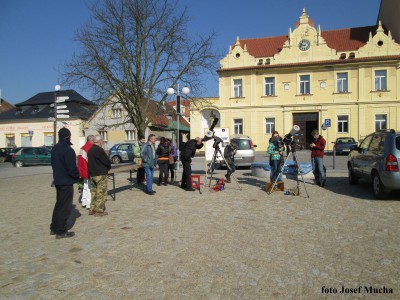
(98, 164)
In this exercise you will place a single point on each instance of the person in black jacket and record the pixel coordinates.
(188, 151)
(162, 152)
(98, 165)
(65, 174)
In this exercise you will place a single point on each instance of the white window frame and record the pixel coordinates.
(270, 126)
(303, 84)
(342, 84)
(380, 81)
(238, 126)
(237, 88)
(381, 123)
(104, 134)
(341, 124)
(116, 113)
(269, 87)
(130, 135)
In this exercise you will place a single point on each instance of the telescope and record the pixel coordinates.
(210, 132)
(288, 138)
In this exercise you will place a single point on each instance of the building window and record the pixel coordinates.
(116, 113)
(380, 80)
(48, 138)
(343, 124)
(10, 140)
(342, 83)
(238, 126)
(26, 140)
(380, 122)
(104, 135)
(270, 86)
(269, 125)
(237, 88)
(129, 135)
(304, 84)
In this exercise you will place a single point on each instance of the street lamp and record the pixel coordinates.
(56, 88)
(170, 91)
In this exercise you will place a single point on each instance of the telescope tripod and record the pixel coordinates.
(211, 168)
(293, 152)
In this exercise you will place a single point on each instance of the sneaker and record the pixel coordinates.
(52, 232)
(190, 190)
(65, 235)
(91, 212)
(323, 181)
(151, 193)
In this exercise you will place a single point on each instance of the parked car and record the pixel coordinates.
(26, 156)
(343, 145)
(11, 153)
(121, 152)
(245, 154)
(4, 154)
(377, 159)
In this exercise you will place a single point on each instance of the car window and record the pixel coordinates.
(29, 151)
(375, 143)
(241, 144)
(124, 147)
(398, 142)
(365, 143)
(345, 140)
(43, 151)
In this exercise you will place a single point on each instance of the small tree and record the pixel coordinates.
(133, 50)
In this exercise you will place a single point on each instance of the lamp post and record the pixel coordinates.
(170, 91)
(56, 88)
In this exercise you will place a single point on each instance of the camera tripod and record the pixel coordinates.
(297, 167)
(211, 168)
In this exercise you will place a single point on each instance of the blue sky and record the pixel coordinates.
(37, 36)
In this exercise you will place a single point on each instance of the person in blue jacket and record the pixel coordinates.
(149, 159)
(65, 174)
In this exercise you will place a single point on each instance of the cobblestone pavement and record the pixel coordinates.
(233, 244)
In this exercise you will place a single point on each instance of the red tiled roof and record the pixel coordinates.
(156, 115)
(340, 39)
(5, 106)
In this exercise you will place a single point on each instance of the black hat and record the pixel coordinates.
(64, 134)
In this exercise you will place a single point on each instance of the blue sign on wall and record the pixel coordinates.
(328, 122)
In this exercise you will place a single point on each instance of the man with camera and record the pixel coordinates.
(188, 150)
(275, 150)
(229, 154)
(317, 158)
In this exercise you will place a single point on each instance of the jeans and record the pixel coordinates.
(149, 178)
(229, 172)
(318, 168)
(163, 167)
(275, 170)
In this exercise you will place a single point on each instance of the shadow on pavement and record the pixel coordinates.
(72, 218)
(363, 190)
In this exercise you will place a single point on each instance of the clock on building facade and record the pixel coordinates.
(304, 45)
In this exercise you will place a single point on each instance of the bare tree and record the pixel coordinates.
(132, 50)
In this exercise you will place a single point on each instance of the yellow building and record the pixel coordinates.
(348, 78)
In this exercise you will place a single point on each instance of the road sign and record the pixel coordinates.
(323, 126)
(328, 122)
(62, 111)
(61, 99)
(61, 106)
(51, 119)
(62, 116)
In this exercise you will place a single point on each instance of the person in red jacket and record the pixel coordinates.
(83, 171)
(317, 157)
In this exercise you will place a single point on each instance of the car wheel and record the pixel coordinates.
(378, 187)
(19, 164)
(116, 160)
(2, 159)
(353, 179)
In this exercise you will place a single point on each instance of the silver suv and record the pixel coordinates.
(245, 153)
(377, 159)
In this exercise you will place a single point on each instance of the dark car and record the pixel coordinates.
(11, 153)
(26, 156)
(343, 145)
(377, 160)
(4, 154)
(121, 152)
